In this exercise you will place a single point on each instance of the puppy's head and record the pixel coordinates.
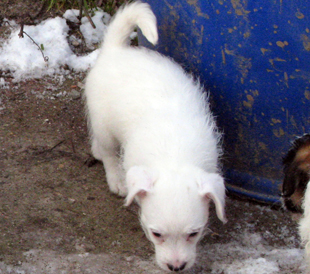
(175, 210)
(296, 173)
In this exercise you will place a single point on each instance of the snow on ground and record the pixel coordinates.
(24, 60)
(251, 256)
(247, 256)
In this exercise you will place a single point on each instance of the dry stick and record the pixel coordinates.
(72, 145)
(58, 144)
(88, 16)
(81, 10)
(82, 7)
(50, 149)
(21, 35)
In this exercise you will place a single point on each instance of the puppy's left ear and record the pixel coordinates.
(140, 181)
(212, 187)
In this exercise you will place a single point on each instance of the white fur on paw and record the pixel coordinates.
(118, 189)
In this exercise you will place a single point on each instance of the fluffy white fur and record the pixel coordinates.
(304, 225)
(151, 126)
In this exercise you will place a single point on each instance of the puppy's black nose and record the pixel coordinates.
(183, 266)
(176, 269)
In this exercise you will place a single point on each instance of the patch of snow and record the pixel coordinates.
(253, 266)
(24, 60)
(94, 36)
(72, 15)
(250, 255)
(3, 84)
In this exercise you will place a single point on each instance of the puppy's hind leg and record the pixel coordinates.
(108, 152)
(96, 149)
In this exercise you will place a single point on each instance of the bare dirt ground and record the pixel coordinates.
(57, 214)
(49, 198)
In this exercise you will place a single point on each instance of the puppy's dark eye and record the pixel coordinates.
(193, 234)
(156, 234)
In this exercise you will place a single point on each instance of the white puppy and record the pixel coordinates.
(151, 126)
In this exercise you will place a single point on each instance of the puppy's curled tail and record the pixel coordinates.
(126, 19)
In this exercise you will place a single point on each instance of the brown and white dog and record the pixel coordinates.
(295, 190)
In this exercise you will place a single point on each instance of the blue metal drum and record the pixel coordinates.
(254, 57)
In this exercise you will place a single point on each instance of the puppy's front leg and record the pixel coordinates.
(109, 154)
(114, 172)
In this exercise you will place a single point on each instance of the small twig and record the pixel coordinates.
(72, 145)
(50, 149)
(58, 144)
(81, 11)
(82, 7)
(8, 23)
(21, 35)
(88, 16)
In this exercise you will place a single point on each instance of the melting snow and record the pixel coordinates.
(23, 58)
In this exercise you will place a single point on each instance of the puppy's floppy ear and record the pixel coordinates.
(140, 181)
(212, 187)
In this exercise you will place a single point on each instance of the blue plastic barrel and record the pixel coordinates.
(254, 57)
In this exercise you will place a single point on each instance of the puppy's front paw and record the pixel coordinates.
(118, 189)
